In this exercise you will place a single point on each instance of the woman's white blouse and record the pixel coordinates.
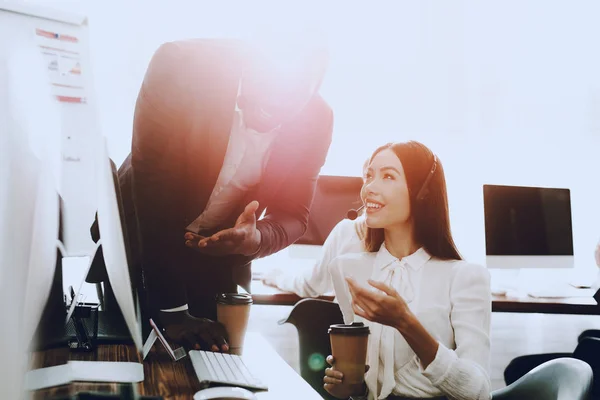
(451, 299)
(315, 281)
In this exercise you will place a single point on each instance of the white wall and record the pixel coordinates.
(504, 92)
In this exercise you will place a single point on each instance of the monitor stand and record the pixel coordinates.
(52, 332)
(504, 281)
(112, 328)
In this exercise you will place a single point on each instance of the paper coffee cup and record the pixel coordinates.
(349, 349)
(233, 311)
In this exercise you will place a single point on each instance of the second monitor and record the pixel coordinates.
(334, 196)
(527, 227)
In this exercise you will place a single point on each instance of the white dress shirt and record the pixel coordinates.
(451, 299)
(316, 281)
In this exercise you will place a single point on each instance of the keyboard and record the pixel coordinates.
(558, 293)
(223, 369)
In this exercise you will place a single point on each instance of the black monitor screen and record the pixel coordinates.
(527, 221)
(334, 196)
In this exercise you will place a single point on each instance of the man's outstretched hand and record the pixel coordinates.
(242, 239)
(194, 333)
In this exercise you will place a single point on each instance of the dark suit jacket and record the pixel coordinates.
(182, 124)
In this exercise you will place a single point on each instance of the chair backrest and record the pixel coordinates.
(559, 379)
(312, 318)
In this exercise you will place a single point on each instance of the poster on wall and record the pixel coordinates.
(62, 57)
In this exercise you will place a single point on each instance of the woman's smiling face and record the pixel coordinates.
(385, 191)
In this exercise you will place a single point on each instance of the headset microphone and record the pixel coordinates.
(353, 214)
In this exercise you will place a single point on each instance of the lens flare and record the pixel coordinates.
(316, 361)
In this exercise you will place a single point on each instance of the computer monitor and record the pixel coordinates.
(118, 314)
(32, 156)
(28, 211)
(60, 39)
(49, 99)
(334, 196)
(527, 227)
(113, 245)
(17, 205)
(17, 209)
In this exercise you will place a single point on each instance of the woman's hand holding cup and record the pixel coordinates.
(334, 382)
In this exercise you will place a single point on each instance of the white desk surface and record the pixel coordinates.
(268, 366)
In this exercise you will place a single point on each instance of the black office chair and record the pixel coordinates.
(587, 350)
(559, 379)
(595, 333)
(312, 318)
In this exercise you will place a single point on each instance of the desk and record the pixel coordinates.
(268, 295)
(177, 380)
(526, 304)
(518, 303)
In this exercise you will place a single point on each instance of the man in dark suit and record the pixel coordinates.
(222, 133)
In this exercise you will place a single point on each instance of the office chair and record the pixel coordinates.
(595, 333)
(312, 318)
(559, 379)
(587, 350)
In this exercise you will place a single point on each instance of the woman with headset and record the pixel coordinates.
(428, 310)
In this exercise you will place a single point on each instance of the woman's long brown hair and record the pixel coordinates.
(430, 213)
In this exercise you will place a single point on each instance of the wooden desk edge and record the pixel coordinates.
(283, 298)
(575, 305)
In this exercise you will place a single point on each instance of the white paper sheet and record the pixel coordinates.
(341, 268)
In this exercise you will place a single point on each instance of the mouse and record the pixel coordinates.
(225, 393)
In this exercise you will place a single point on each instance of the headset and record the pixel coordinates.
(424, 190)
(353, 213)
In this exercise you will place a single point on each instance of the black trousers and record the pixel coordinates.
(206, 277)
